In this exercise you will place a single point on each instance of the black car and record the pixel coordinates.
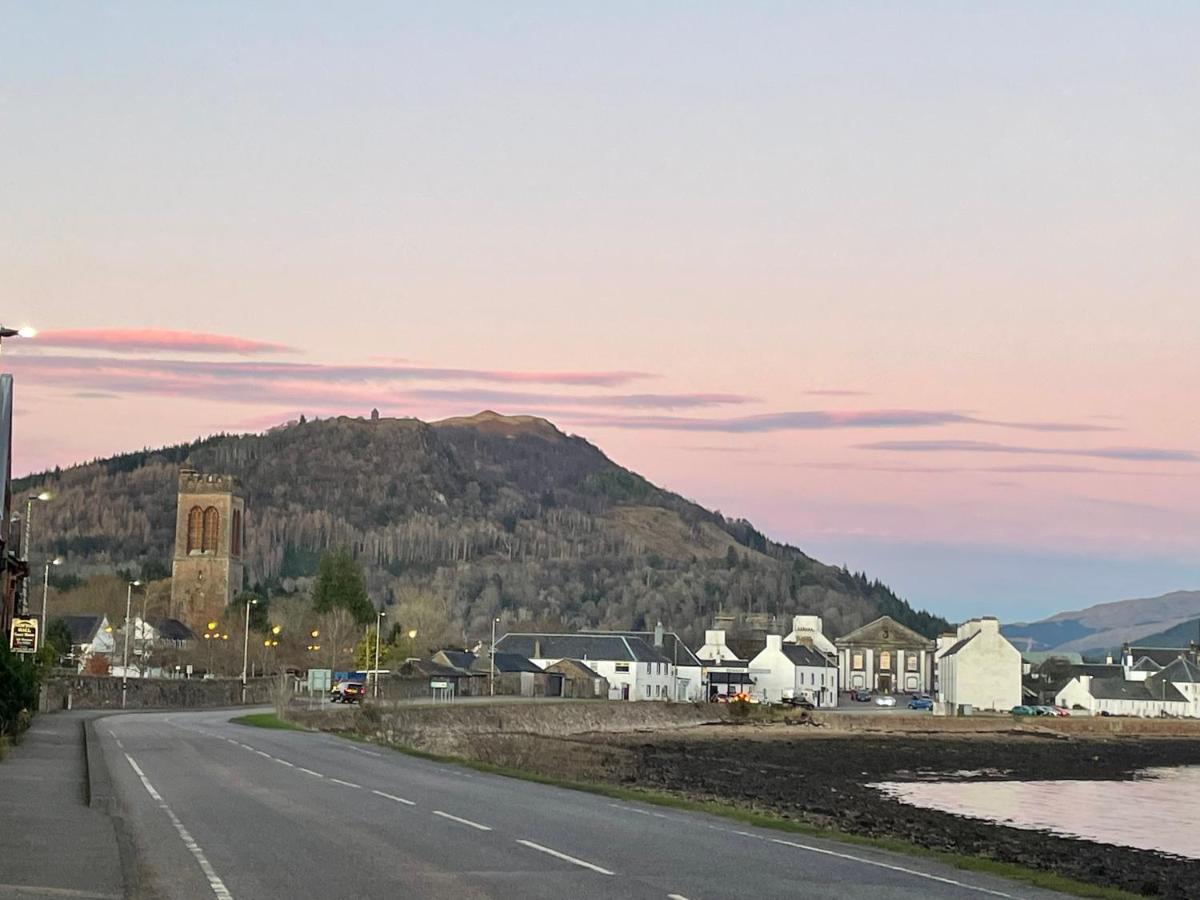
(861, 696)
(347, 692)
(801, 702)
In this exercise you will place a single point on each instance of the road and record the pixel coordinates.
(222, 810)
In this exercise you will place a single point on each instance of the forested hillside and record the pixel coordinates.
(474, 517)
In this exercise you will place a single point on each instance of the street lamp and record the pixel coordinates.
(246, 647)
(492, 654)
(57, 561)
(27, 538)
(378, 628)
(125, 654)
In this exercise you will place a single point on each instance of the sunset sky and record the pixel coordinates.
(914, 287)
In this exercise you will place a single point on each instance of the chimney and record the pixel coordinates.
(658, 635)
(774, 642)
(537, 648)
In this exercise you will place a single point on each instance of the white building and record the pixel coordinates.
(977, 667)
(885, 656)
(724, 673)
(791, 671)
(634, 669)
(689, 670)
(807, 630)
(1147, 688)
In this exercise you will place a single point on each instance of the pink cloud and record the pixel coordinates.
(138, 340)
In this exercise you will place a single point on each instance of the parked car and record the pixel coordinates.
(885, 700)
(800, 702)
(347, 692)
(1044, 711)
(920, 703)
(1023, 711)
(1061, 710)
(861, 696)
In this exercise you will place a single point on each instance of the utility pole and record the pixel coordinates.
(492, 655)
(45, 592)
(246, 648)
(125, 653)
(378, 628)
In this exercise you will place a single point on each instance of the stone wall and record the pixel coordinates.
(104, 692)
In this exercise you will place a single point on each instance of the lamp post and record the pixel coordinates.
(27, 539)
(492, 655)
(246, 647)
(57, 561)
(378, 628)
(125, 653)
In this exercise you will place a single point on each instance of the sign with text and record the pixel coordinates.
(24, 635)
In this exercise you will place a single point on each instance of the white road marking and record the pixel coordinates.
(367, 752)
(894, 868)
(446, 815)
(284, 762)
(571, 859)
(346, 783)
(244, 746)
(676, 897)
(118, 740)
(214, 881)
(394, 797)
(310, 772)
(260, 753)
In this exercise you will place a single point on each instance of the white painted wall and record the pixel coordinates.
(985, 673)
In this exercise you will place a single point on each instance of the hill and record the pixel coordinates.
(480, 516)
(1108, 625)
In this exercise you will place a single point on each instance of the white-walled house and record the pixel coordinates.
(807, 630)
(90, 636)
(1121, 697)
(689, 670)
(977, 667)
(791, 671)
(634, 669)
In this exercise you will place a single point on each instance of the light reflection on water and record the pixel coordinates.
(1159, 810)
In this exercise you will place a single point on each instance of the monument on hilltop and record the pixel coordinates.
(206, 572)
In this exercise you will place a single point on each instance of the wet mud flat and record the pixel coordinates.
(823, 780)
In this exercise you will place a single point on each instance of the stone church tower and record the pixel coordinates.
(206, 573)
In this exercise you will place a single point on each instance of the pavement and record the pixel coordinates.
(52, 843)
(214, 809)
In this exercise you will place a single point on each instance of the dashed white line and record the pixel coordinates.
(571, 859)
(394, 797)
(676, 897)
(214, 881)
(367, 752)
(284, 762)
(310, 772)
(346, 783)
(446, 815)
(894, 868)
(267, 755)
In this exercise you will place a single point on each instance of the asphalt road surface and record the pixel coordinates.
(221, 810)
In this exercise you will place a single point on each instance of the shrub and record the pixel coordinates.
(18, 692)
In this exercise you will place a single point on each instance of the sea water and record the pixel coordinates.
(1159, 809)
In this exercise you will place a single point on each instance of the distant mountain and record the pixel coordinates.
(471, 517)
(1181, 635)
(1108, 625)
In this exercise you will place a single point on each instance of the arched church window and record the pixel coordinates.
(235, 544)
(212, 527)
(195, 528)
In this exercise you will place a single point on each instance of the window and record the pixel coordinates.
(235, 541)
(195, 529)
(647, 690)
(885, 660)
(212, 527)
(857, 663)
(623, 668)
(910, 663)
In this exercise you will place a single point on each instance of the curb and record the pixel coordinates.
(98, 784)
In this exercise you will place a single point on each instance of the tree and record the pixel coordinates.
(259, 612)
(340, 597)
(58, 636)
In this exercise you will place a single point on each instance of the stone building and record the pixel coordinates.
(977, 667)
(206, 572)
(887, 657)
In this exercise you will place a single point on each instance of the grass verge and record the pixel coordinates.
(266, 720)
(759, 819)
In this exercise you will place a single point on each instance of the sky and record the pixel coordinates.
(913, 287)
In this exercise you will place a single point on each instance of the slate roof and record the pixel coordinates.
(573, 668)
(591, 646)
(505, 662)
(1183, 670)
(172, 630)
(1120, 689)
(1098, 670)
(673, 648)
(1164, 656)
(430, 668)
(958, 646)
(1146, 664)
(460, 659)
(800, 655)
(83, 628)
